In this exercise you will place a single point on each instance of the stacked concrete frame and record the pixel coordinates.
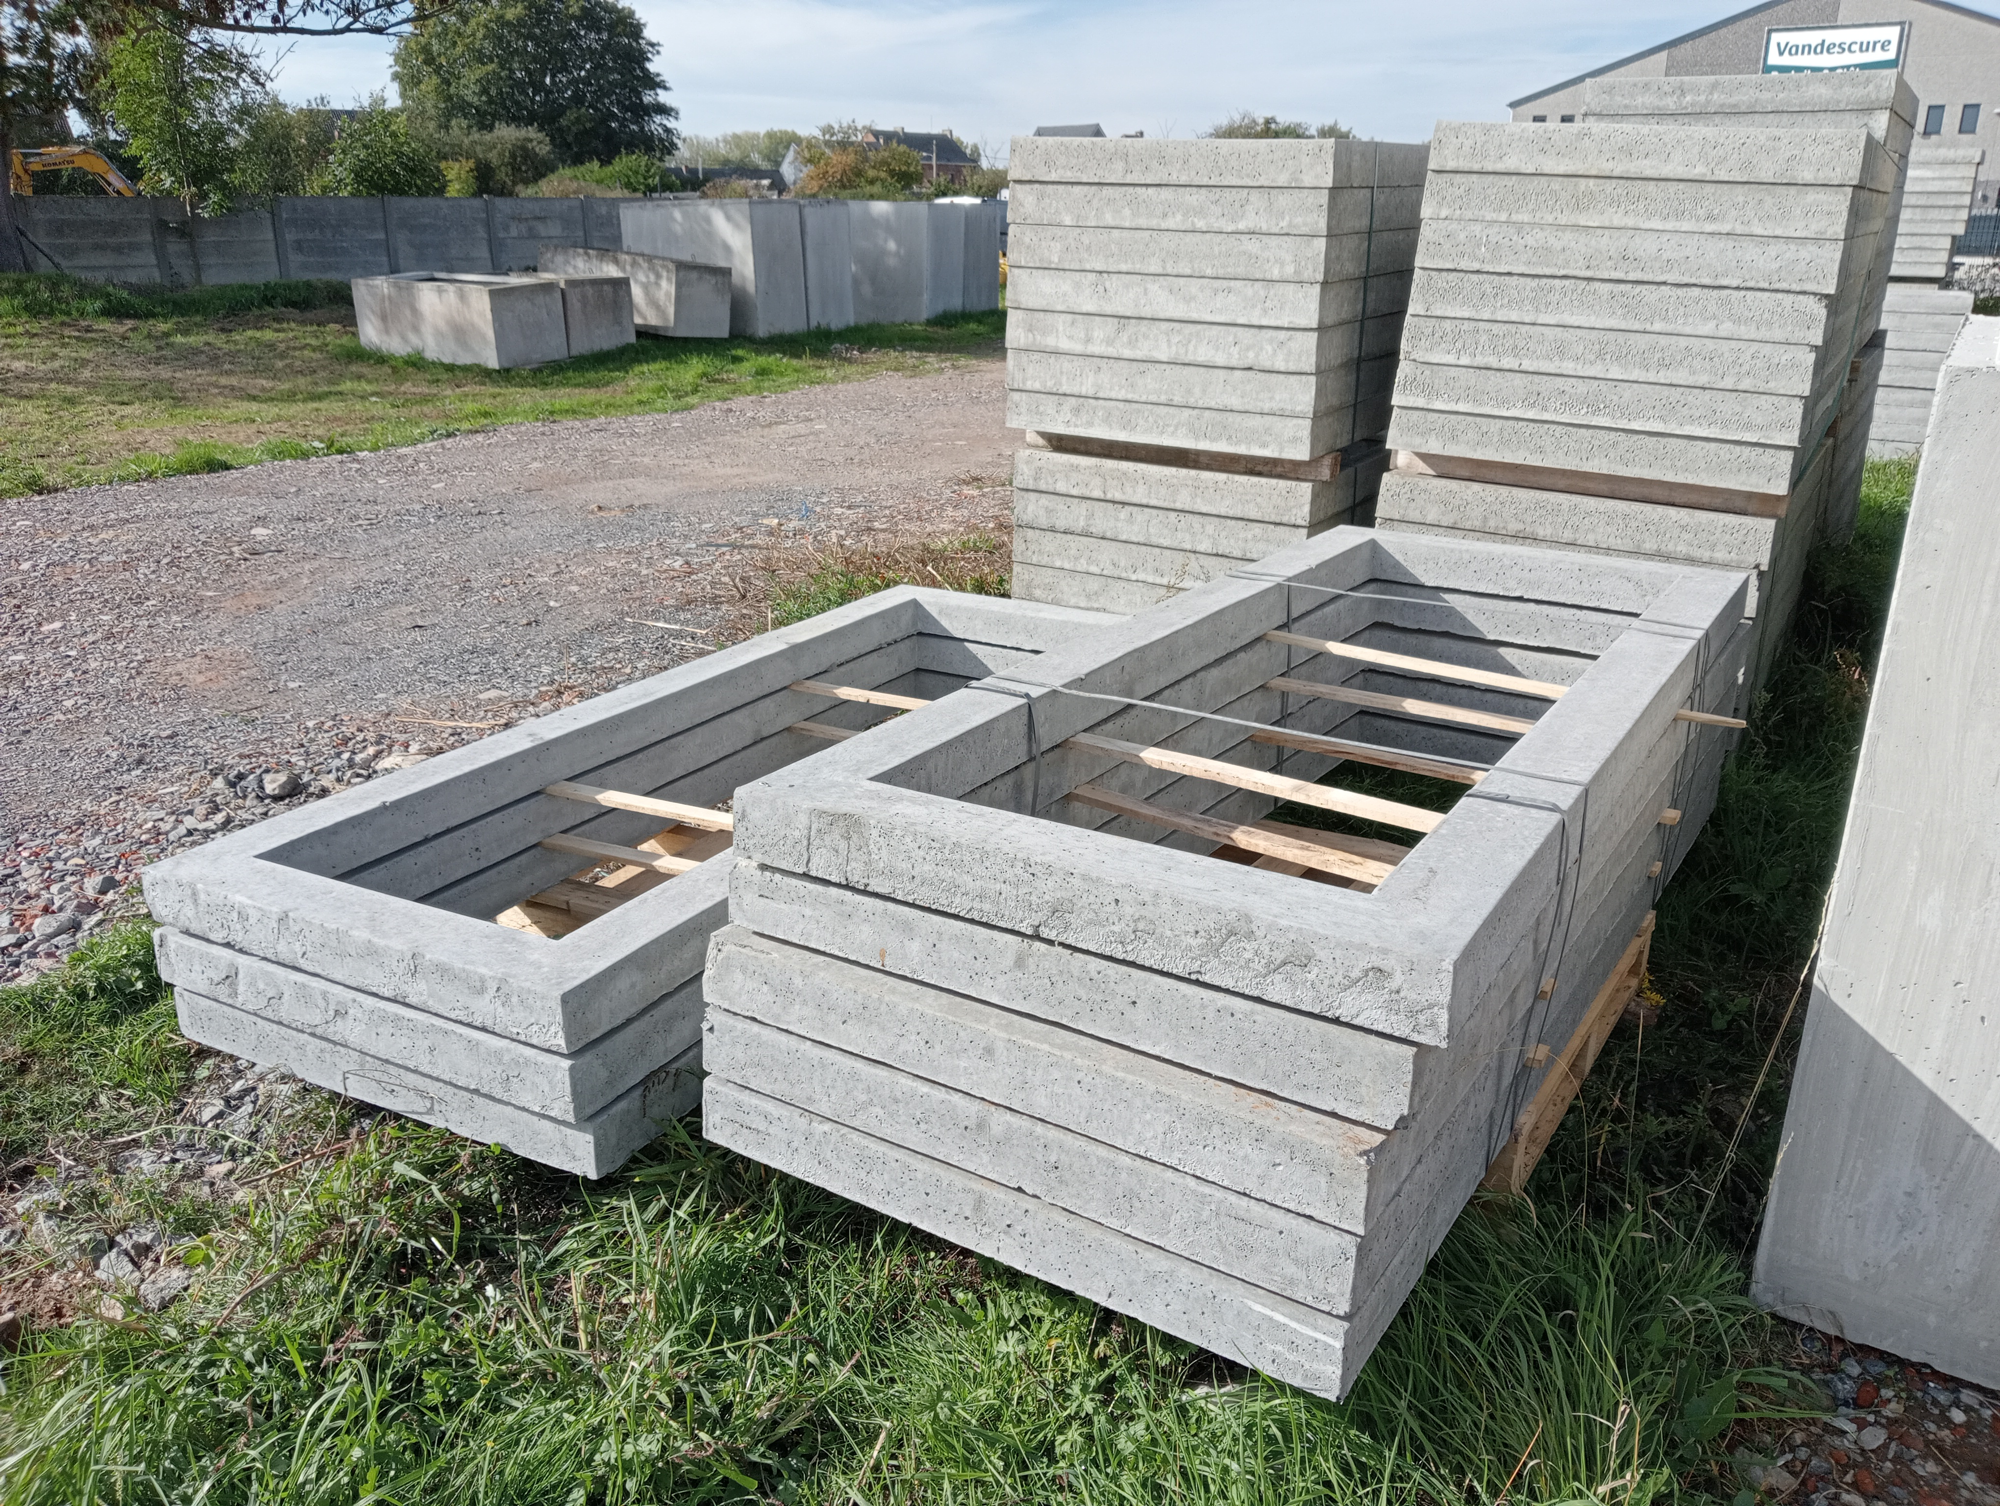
(1640, 339)
(1201, 339)
(1229, 1102)
(354, 940)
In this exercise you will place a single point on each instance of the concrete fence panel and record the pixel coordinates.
(519, 226)
(106, 240)
(235, 247)
(331, 237)
(438, 235)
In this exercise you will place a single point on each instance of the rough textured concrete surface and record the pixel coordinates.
(826, 229)
(356, 939)
(465, 319)
(1920, 324)
(1228, 1100)
(597, 311)
(1884, 1216)
(685, 299)
(1937, 199)
(761, 241)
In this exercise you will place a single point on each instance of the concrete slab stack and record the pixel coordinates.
(445, 942)
(1883, 1223)
(1937, 201)
(1919, 325)
(688, 300)
(1638, 339)
(1202, 334)
(1030, 969)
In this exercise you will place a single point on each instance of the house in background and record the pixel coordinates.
(942, 154)
(1951, 58)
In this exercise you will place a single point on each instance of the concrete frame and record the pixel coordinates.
(1229, 1104)
(1883, 1223)
(465, 318)
(597, 311)
(352, 939)
(687, 300)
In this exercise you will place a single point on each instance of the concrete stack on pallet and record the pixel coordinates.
(447, 942)
(1920, 319)
(1937, 201)
(1031, 970)
(1201, 339)
(1637, 340)
(1884, 1217)
(493, 319)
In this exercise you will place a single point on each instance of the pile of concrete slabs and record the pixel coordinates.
(1639, 339)
(1884, 1217)
(497, 320)
(1937, 201)
(1919, 326)
(688, 300)
(507, 940)
(1035, 969)
(1202, 337)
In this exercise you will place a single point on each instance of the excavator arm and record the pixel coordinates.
(29, 160)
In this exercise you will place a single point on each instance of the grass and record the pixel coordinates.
(421, 1320)
(117, 384)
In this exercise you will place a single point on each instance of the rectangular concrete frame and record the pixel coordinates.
(761, 241)
(362, 922)
(1134, 1169)
(465, 319)
(1613, 224)
(687, 300)
(1884, 1217)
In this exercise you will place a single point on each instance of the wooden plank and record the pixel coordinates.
(1709, 719)
(1431, 710)
(1536, 1124)
(1320, 468)
(856, 693)
(1214, 829)
(822, 730)
(1373, 848)
(1437, 669)
(1280, 786)
(611, 852)
(539, 920)
(646, 805)
(1594, 484)
(1382, 758)
(587, 901)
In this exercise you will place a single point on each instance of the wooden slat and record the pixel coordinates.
(611, 852)
(822, 730)
(540, 920)
(1280, 786)
(1709, 719)
(586, 900)
(1431, 710)
(1382, 758)
(1594, 484)
(647, 805)
(1537, 1123)
(1213, 829)
(856, 693)
(1372, 848)
(1437, 669)
(1321, 468)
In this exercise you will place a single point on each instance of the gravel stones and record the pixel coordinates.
(280, 784)
(163, 1286)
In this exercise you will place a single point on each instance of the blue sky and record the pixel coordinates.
(993, 69)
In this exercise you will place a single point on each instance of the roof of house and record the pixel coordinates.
(1702, 31)
(933, 146)
(1070, 130)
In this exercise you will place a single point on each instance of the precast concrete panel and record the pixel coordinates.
(826, 234)
(333, 237)
(438, 235)
(684, 299)
(891, 260)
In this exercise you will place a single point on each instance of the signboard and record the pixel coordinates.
(1833, 49)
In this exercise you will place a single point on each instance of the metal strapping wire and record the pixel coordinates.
(1034, 739)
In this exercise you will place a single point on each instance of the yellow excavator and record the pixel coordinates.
(29, 160)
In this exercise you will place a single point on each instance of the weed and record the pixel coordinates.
(820, 580)
(57, 295)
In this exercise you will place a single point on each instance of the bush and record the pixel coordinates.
(374, 153)
(505, 160)
(461, 178)
(852, 171)
(280, 149)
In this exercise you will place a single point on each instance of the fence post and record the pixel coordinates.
(492, 238)
(388, 234)
(278, 237)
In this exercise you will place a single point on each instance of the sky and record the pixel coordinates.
(994, 69)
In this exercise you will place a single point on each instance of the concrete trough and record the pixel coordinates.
(463, 318)
(994, 978)
(687, 300)
(439, 943)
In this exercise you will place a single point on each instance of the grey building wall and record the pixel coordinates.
(1953, 60)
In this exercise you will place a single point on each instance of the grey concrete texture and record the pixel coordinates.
(761, 241)
(1210, 389)
(1886, 1200)
(826, 236)
(687, 300)
(1238, 302)
(1919, 327)
(1186, 342)
(1272, 435)
(892, 261)
(597, 311)
(1720, 155)
(463, 318)
(985, 227)
(944, 259)
(390, 890)
(1211, 164)
(1299, 505)
(1248, 255)
(1850, 444)
(1312, 213)
(1881, 102)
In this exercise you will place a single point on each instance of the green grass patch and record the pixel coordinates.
(825, 581)
(116, 384)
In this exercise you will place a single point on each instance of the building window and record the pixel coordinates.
(1541, 119)
(1968, 120)
(1934, 120)
(1569, 120)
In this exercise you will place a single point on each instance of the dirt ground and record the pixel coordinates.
(146, 629)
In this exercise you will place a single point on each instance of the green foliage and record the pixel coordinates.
(738, 148)
(579, 71)
(279, 148)
(505, 160)
(853, 171)
(374, 152)
(1986, 307)
(632, 173)
(57, 295)
(85, 1048)
(461, 178)
(1246, 126)
(982, 182)
(969, 564)
(181, 100)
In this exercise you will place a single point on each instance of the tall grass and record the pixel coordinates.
(57, 295)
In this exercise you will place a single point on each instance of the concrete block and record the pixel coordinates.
(1887, 1194)
(1212, 164)
(1278, 436)
(597, 311)
(1880, 102)
(1184, 342)
(1222, 301)
(1181, 209)
(1251, 256)
(1694, 153)
(1200, 389)
(827, 240)
(761, 241)
(364, 922)
(1270, 500)
(464, 319)
(944, 259)
(684, 299)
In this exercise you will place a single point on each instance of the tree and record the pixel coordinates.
(180, 99)
(279, 148)
(1245, 126)
(858, 172)
(579, 71)
(374, 153)
(739, 148)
